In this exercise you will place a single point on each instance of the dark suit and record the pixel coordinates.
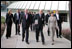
(25, 25)
(9, 24)
(17, 22)
(59, 24)
(31, 18)
(39, 26)
(43, 16)
(47, 17)
(33, 21)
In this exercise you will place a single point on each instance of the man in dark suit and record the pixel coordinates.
(47, 16)
(43, 15)
(31, 17)
(39, 20)
(17, 21)
(33, 21)
(59, 21)
(25, 19)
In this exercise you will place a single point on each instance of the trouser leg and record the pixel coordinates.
(42, 36)
(7, 32)
(53, 33)
(60, 30)
(23, 33)
(16, 27)
(27, 34)
(10, 30)
(37, 34)
(48, 32)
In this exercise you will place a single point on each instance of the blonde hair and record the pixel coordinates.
(9, 11)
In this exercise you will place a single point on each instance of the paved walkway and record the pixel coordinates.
(16, 41)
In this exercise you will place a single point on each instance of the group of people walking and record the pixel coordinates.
(36, 21)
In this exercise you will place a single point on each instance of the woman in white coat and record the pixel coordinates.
(52, 24)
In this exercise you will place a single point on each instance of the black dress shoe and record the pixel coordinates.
(6, 37)
(22, 40)
(37, 40)
(9, 36)
(43, 43)
(27, 42)
(19, 30)
(48, 34)
(60, 36)
(15, 34)
(52, 43)
(19, 34)
(57, 36)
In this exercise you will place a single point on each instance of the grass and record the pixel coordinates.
(2, 20)
(2, 25)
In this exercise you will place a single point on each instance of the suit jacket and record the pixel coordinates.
(25, 22)
(60, 18)
(40, 20)
(34, 18)
(43, 17)
(46, 19)
(52, 22)
(9, 18)
(31, 18)
(15, 18)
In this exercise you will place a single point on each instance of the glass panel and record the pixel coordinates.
(37, 5)
(19, 4)
(15, 5)
(54, 5)
(28, 5)
(42, 5)
(32, 5)
(24, 5)
(12, 5)
(48, 5)
(62, 5)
